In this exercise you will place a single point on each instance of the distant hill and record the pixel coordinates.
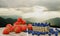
(54, 21)
(5, 21)
(2, 22)
(13, 16)
(11, 19)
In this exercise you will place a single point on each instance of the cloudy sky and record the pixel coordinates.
(50, 4)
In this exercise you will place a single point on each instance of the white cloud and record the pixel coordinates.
(10, 11)
(40, 14)
(35, 13)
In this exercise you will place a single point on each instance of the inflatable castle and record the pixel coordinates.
(42, 28)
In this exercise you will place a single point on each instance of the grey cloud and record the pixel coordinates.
(50, 4)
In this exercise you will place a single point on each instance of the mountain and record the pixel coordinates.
(11, 19)
(13, 16)
(4, 22)
(54, 21)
